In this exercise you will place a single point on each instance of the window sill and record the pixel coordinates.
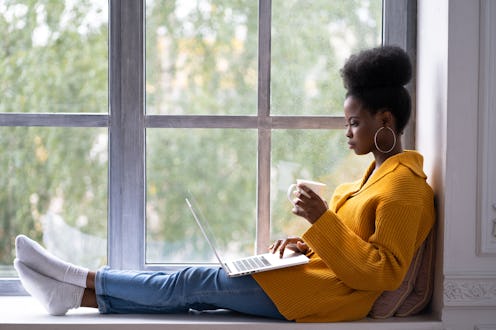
(25, 312)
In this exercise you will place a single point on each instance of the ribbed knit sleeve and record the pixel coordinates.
(379, 263)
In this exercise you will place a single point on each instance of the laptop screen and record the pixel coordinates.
(203, 224)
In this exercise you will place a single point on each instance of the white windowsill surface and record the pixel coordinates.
(26, 313)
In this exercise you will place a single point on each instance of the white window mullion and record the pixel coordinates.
(53, 120)
(263, 196)
(264, 130)
(126, 230)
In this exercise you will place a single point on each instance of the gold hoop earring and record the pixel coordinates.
(394, 139)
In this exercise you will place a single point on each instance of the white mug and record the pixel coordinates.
(317, 187)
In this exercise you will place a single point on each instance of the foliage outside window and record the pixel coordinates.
(203, 65)
(203, 58)
(54, 179)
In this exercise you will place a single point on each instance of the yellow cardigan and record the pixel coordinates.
(362, 246)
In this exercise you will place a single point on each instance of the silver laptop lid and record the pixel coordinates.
(205, 228)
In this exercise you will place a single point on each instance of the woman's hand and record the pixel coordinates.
(295, 244)
(308, 204)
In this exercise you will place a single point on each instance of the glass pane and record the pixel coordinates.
(54, 190)
(201, 57)
(54, 56)
(310, 42)
(317, 155)
(219, 168)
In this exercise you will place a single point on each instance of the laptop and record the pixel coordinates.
(248, 265)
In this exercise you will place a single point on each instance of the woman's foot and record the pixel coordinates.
(55, 296)
(33, 255)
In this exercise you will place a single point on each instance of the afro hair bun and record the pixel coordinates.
(386, 66)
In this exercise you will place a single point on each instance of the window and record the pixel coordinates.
(53, 129)
(230, 101)
(263, 74)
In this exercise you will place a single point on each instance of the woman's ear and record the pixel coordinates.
(386, 118)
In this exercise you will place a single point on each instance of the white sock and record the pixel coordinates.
(40, 260)
(55, 296)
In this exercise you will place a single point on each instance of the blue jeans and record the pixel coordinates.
(199, 288)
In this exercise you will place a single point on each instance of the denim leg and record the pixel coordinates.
(200, 288)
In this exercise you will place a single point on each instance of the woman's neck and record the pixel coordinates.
(381, 157)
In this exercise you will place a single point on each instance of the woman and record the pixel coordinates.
(359, 246)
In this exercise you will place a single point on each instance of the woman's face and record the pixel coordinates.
(360, 126)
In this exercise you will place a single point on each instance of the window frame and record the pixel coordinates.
(127, 123)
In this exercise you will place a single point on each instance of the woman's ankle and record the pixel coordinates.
(90, 280)
(89, 299)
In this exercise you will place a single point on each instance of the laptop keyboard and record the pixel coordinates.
(251, 263)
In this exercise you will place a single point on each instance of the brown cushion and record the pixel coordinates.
(416, 289)
(421, 294)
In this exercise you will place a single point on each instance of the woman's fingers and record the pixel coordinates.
(291, 243)
(283, 247)
(275, 246)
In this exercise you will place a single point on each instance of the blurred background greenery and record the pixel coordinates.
(201, 59)
(54, 58)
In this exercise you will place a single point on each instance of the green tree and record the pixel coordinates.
(54, 59)
(202, 58)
